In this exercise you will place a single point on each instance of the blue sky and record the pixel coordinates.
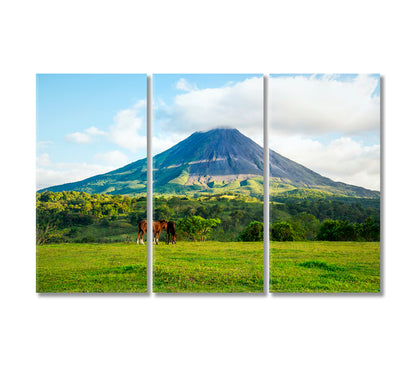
(82, 123)
(91, 124)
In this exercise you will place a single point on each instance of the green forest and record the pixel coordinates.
(79, 217)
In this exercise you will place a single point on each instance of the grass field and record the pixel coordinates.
(324, 267)
(208, 267)
(91, 268)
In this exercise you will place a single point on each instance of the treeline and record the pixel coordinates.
(305, 226)
(79, 216)
(234, 211)
(77, 205)
(308, 227)
(60, 214)
(345, 209)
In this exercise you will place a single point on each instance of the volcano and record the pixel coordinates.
(215, 161)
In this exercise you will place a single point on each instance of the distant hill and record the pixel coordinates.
(216, 161)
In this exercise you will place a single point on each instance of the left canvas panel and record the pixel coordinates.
(91, 182)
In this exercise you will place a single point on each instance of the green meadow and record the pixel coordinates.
(92, 267)
(325, 267)
(209, 266)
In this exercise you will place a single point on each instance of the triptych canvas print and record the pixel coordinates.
(193, 219)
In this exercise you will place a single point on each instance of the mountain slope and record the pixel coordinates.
(216, 161)
(206, 159)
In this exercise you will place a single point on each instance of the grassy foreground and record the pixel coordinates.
(208, 267)
(187, 267)
(324, 267)
(71, 267)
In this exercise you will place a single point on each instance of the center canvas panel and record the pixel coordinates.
(207, 183)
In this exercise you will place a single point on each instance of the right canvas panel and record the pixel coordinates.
(324, 138)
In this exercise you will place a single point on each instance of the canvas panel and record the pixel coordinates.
(91, 182)
(324, 139)
(208, 183)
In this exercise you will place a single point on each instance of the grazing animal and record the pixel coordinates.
(158, 226)
(171, 231)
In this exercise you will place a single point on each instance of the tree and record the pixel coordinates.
(163, 212)
(202, 211)
(333, 230)
(216, 209)
(328, 230)
(282, 232)
(252, 233)
(237, 215)
(370, 230)
(305, 226)
(189, 211)
(196, 227)
(47, 220)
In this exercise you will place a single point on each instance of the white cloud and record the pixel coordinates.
(184, 85)
(44, 144)
(141, 104)
(43, 160)
(129, 130)
(49, 173)
(161, 143)
(305, 110)
(85, 137)
(78, 137)
(317, 106)
(343, 159)
(61, 173)
(93, 131)
(112, 158)
(239, 105)
(235, 105)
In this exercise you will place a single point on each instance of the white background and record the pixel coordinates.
(215, 334)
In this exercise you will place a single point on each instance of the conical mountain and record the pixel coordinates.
(205, 159)
(219, 160)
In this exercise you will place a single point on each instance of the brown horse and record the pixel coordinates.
(171, 231)
(158, 226)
